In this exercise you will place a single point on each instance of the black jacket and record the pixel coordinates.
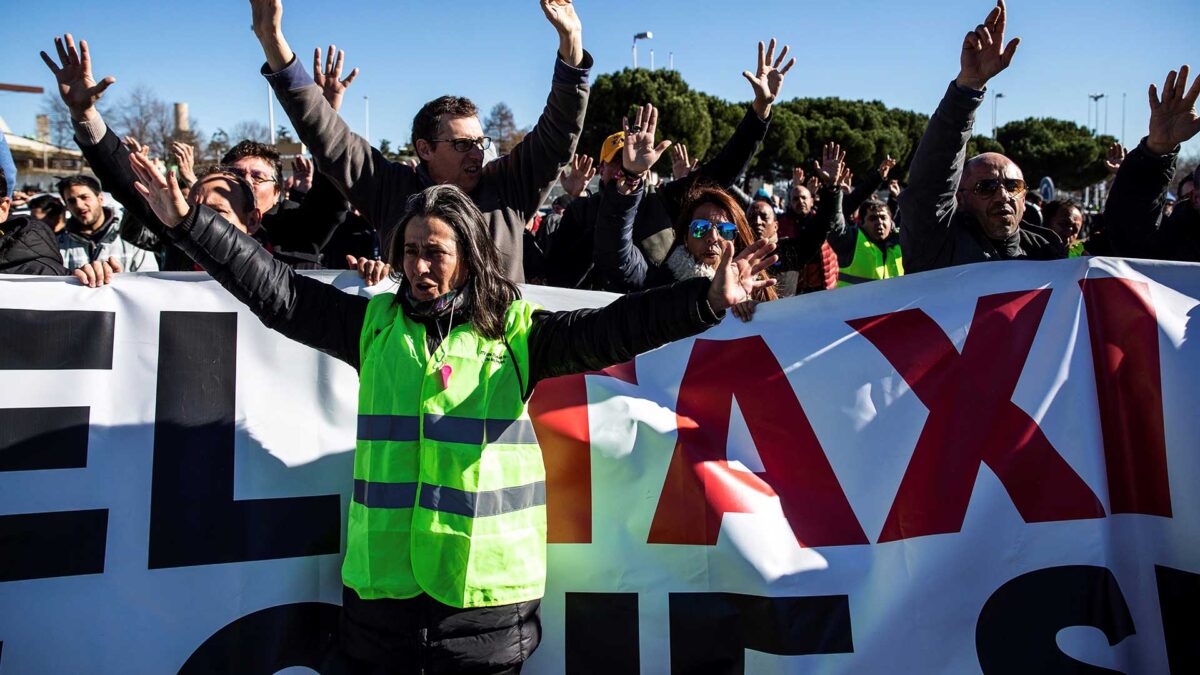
(28, 246)
(569, 252)
(1133, 214)
(560, 343)
(296, 236)
(934, 233)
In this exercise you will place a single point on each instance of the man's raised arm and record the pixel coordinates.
(1133, 213)
(357, 169)
(734, 158)
(104, 152)
(530, 170)
(928, 204)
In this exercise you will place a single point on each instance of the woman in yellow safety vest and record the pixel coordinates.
(446, 533)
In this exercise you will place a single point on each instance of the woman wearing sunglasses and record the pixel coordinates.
(709, 218)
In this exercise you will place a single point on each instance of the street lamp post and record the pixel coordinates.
(995, 104)
(1095, 99)
(367, 119)
(271, 114)
(640, 36)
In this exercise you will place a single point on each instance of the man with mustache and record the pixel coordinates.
(955, 213)
(870, 250)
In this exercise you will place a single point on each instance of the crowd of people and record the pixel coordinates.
(459, 232)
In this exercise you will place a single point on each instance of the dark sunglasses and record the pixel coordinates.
(701, 227)
(989, 186)
(465, 144)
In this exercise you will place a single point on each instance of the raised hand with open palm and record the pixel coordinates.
(76, 84)
(984, 54)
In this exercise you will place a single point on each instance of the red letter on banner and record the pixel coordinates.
(972, 419)
(559, 412)
(701, 486)
(1124, 335)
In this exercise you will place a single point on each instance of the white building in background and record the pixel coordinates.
(40, 163)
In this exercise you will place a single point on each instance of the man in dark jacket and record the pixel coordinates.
(869, 251)
(296, 236)
(27, 246)
(954, 213)
(447, 136)
(1134, 211)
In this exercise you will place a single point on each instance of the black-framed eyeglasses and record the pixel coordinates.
(255, 177)
(465, 144)
(989, 186)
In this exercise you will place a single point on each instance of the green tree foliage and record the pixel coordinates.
(981, 144)
(1065, 151)
(869, 131)
(683, 114)
(725, 117)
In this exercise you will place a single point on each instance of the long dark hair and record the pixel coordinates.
(710, 194)
(487, 292)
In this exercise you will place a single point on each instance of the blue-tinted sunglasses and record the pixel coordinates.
(701, 227)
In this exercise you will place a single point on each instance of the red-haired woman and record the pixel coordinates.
(709, 217)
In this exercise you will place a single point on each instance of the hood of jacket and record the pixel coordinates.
(107, 232)
(28, 246)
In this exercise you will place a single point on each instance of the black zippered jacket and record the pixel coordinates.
(28, 246)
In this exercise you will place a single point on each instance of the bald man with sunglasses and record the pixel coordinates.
(957, 212)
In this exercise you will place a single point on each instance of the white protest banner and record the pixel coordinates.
(984, 469)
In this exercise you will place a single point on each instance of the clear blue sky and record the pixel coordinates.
(502, 50)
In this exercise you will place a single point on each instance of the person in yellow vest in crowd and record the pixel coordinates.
(870, 251)
(446, 536)
(1065, 218)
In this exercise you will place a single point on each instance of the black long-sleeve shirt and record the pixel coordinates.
(322, 317)
(1133, 214)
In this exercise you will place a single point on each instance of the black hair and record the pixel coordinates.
(428, 121)
(227, 172)
(1052, 208)
(52, 205)
(69, 182)
(262, 151)
(487, 291)
(871, 205)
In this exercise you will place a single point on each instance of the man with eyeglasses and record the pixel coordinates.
(295, 236)
(955, 213)
(447, 136)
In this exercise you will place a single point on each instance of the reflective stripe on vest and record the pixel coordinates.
(450, 500)
(870, 263)
(449, 489)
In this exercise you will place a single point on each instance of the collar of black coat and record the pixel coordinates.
(1030, 241)
(1041, 243)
